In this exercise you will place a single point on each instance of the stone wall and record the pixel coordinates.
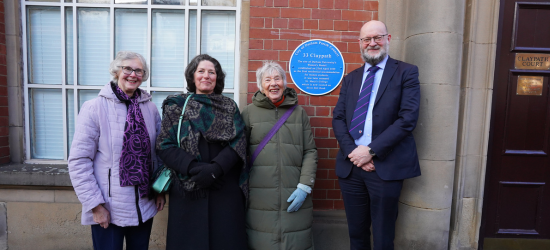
(453, 43)
(4, 119)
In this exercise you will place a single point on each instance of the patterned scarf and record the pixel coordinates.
(214, 117)
(135, 158)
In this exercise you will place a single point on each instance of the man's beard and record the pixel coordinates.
(373, 60)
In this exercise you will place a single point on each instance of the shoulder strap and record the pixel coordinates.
(271, 133)
(181, 117)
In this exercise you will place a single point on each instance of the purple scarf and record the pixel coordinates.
(135, 158)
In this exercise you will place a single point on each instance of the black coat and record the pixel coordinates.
(213, 223)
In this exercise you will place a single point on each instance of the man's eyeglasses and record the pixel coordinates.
(377, 39)
(128, 70)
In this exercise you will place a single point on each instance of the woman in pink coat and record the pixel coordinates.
(112, 158)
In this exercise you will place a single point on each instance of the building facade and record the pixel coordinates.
(54, 55)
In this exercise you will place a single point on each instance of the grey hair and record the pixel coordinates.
(269, 67)
(114, 68)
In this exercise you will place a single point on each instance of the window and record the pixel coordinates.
(69, 45)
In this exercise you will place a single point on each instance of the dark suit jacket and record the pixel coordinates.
(395, 114)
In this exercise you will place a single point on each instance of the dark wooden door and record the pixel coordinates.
(517, 188)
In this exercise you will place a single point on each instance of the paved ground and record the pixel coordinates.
(330, 230)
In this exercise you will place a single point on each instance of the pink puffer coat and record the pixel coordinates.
(95, 155)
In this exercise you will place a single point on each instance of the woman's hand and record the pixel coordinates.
(297, 198)
(101, 216)
(205, 175)
(161, 200)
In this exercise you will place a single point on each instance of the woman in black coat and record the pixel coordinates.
(207, 199)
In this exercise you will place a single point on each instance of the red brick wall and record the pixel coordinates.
(277, 27)
(4, 122)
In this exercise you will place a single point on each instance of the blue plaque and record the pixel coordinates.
(316, 67)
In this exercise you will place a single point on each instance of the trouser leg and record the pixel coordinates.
(110, 238)
(357, 206)
(137, 237)
(384, 197)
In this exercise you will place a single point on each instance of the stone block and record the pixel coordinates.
(57, 226)
(436, 130)
(418, 228)
(158, 233)
(481, 66)
(435, 16)
(19, 195)
(392, 12)
(36, 225)
(17, 151)
(15, 104)
(65, 196)
(474, 121)
(472, 168)
(35, 175)
(3, 227)
(469, 221)
(11, 17)
(433, 189)
(437, 55)
(485, 21)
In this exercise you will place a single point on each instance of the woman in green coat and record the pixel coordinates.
(280, 210)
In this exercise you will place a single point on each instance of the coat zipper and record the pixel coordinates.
(137, 205)
(279, 172)
(109, 182)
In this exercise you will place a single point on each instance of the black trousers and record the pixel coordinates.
(112, 237)
(370, 200)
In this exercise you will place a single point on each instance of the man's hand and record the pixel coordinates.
(360, 156)
(160, 201)
(101, 216)
(369, 167)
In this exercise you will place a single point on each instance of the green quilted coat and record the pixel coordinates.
(289, 158)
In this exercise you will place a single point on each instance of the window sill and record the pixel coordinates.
(56, 175)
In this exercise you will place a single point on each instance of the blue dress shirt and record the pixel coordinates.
(366, 138)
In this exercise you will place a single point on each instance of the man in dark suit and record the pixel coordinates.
(373, 122)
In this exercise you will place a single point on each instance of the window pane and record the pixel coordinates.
(83, 96)
(92, 1)
(158, 98)
(69, 55)
(218, 40)
(42, 0)
(131, 1)
(169, 2)
(46, 123)
(70, 117)
(131, 30)
(193, 2)
(219, 3)
(192, 34)
(44, 45)
(168, 61)
(230, 95)
(93, 46)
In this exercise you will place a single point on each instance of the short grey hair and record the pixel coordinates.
(268, 68)
(114, 68)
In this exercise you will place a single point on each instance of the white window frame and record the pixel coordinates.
(112, 6)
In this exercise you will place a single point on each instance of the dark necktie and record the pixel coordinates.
(360, 113)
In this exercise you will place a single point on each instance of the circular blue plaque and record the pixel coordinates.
(316, 67)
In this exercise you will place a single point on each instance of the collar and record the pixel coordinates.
(381, 64)
(277, 104)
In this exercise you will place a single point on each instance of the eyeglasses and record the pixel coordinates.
(377, 39)
(128, 70)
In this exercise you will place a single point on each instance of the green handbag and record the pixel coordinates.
(164, 174)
